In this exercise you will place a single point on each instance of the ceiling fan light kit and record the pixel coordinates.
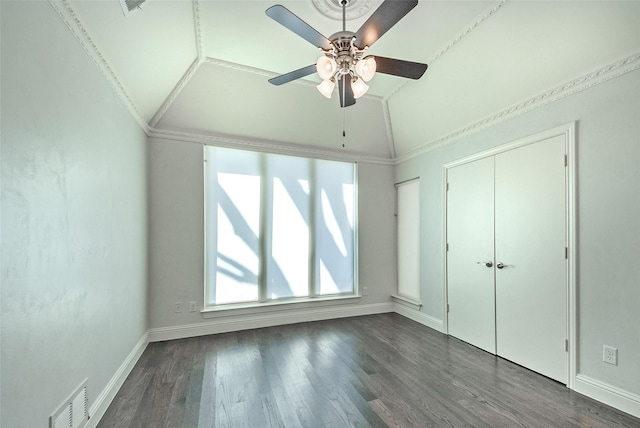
(342, 56)
(326, 87)
(345, 59)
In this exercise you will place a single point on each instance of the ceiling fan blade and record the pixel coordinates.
(398, 67)
(345, 91)
(293, 75)
(385, 17)
(287, 18)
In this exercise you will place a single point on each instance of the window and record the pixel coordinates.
(277, 227)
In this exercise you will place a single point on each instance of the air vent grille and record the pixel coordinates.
(73, 412)
(63, 418)
(130, 5)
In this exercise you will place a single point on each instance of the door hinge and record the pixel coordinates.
(566, 345)
(447, 186)
(566, 252)
(566, 162)
(447, 308)
(447, 246)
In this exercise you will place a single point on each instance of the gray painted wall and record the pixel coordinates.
(74, 221)
(176, 206)
(74, 228)
(608, 209)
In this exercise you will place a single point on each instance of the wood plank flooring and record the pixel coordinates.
(371, 371)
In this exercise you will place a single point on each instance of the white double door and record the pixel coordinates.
(506, 258)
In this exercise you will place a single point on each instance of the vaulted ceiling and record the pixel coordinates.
(199, 68)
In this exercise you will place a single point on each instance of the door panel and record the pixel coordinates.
(408, 233)
(470, 289)
(530, 239)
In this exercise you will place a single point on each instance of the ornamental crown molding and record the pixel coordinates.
(259, 145)
(71, 20)
(586, 81)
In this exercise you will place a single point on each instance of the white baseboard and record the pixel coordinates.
(249, 321)
(419, 317)
(100, 406)
(608, 394)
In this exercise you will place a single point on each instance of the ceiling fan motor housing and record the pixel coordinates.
(344, 52)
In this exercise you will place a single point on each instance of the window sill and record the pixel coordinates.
(253, 308)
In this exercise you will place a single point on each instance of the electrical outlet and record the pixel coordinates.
(365, 291)
(193, 306)
(178, 306)
(610, 355)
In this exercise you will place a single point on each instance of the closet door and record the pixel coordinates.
(470, 272)
(530, 240)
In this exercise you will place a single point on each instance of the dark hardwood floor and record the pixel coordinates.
(379, 370)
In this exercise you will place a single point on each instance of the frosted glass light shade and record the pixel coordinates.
(326, 67)
(326, 87)
(366, 68)
(359, 87)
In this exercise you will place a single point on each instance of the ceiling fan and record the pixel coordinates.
(343, 57)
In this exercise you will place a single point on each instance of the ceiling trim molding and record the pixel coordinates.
(265, 146)
(461, 35)
(604, 74)
(198, 30)
(244, 68)
(71, 20)
(186, 77)
(464, 33)
(387, 122)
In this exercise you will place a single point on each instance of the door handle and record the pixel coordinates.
(487, 264)
(501, 266)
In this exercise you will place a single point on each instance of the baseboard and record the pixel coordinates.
(419, 317)
(100, 406)
(250, 321)
(608, 394)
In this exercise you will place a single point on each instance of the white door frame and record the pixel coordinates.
(568, 131)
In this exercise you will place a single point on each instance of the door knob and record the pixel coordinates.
(500, 266)
(487, 264)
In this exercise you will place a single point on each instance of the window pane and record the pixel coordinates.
(335, 227)
(288, 267)
(277, 227)
(233, 220)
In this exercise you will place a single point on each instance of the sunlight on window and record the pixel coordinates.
(289, 244)
(237, 239)
(327, 284)
(348, 198)
(244, 192)
(260, 227)
(332, 224)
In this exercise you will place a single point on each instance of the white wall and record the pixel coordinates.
(176, 271)
(74, 229)
(608, 193)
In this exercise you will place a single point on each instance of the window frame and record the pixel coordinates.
(315, 197)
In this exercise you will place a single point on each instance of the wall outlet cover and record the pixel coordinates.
(610, 355)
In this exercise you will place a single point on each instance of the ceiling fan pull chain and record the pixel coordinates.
(344, 121)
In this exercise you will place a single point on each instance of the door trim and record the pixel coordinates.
(567, 130)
